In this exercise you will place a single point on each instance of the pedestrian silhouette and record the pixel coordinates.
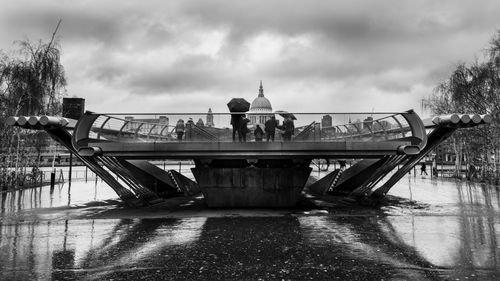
(270, 128)
(423, 169)
(288, 128)
(258, 133)
(236, 120)
(179, 129)
(243, 129)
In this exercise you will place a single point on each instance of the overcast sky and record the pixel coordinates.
(322, 56)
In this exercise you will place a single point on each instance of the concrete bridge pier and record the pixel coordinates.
(261, 183)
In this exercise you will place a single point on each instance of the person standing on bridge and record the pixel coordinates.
(179, 129)
(236, 120)
(244, 129)
(189, 129)
(270, 128)
(258, 133)
(288, 128)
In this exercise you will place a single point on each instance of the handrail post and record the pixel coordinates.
(417, 127)
(83, 127)
(102, 126)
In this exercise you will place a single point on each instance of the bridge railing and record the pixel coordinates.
(217, 127)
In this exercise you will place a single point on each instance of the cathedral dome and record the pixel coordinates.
(261, 103)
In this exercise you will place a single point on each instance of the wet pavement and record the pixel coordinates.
(427, 230)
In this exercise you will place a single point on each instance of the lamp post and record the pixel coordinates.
(53, 171)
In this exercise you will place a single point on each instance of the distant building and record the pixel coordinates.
(261, 109)
(376, 125)
(210, 118)
(329, 132)
(73, 108)
(155, 126)
(326, 121)
(382, 125)
(200, 123)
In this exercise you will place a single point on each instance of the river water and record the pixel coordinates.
(429, 229)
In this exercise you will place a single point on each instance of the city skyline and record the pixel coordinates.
(319, 56)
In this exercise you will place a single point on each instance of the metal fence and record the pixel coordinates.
(216, 127)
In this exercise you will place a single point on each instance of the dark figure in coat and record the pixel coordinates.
(471, 172)
(423, 169)
(179, 129)
(188, 133)
(236, 120)
(270, 128)
(288, 128)
(258, 133)
(243, 130)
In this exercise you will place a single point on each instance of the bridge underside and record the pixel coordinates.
(251, 174)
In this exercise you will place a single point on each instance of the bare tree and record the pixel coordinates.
(32, 82)
(474, 88)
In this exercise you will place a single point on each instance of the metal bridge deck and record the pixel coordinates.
(249, 150)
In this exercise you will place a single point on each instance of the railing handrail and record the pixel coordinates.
(128, 127)
(305, 132)
(204, 132)
(247, 112)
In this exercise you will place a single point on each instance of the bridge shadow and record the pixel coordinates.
(248, 248)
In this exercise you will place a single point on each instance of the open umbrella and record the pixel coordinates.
(285, 114)
(238, 105)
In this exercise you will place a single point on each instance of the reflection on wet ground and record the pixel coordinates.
(428, 230)
(79, 192)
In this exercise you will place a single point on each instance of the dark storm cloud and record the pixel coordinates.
(186, 74)
(351, 21)
(158, 47)
(189, 73)
(110, 23)
(77, 23)
(371, 37)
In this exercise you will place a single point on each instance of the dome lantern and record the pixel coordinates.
(261, 103)
(260, 109)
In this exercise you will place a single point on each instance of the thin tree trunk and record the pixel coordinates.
(17, 158)
(457, 156)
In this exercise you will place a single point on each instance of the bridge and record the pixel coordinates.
(119, 148)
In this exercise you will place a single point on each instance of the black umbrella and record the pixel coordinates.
(286, 114)
(238, 105)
